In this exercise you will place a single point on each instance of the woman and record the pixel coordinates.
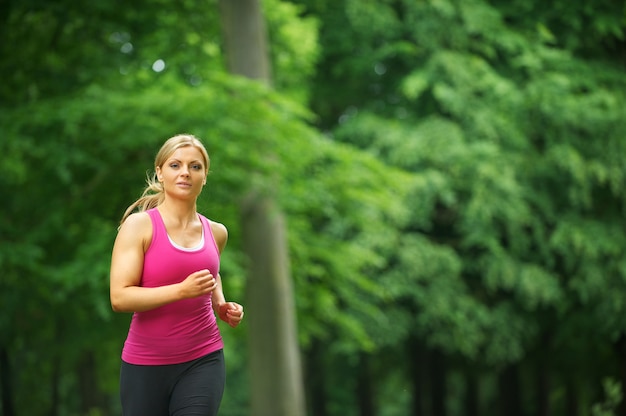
(165, 269)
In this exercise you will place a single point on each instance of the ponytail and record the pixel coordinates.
(151, 197)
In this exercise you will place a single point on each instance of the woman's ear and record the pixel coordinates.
(158, 174)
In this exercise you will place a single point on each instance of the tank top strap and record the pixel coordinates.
(158, 226)
(210, 239)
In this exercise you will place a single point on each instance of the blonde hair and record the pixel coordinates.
(153, 194)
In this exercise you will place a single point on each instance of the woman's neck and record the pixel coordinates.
(180, 213)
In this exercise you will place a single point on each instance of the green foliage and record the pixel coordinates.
(294, 50)
(596, 30)
(513, 132)
(59, 47)
(468, 191)
(344, 210)
(613, 396)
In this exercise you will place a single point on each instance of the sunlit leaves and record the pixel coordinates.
(295, 48)
(507, 135)
(344, 209)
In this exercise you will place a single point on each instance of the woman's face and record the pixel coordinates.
(183, 173)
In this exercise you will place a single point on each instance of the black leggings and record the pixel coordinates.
(191, 388)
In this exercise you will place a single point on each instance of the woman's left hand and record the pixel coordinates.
(231, 313)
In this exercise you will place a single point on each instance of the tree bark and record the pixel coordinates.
(510, 403)
(315, 376)
(417, 368)
(543, 390)
(438, 380)
(245, 36)
(90, 394)
(471, 394)
(276, 377)
(365, 397)
(571, 399)
(620, 349)
(275, 368)
(5, 383)
(55, 382)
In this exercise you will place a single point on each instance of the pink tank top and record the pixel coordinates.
(183, 330)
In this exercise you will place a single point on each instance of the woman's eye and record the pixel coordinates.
(173, 165)
(196, 167)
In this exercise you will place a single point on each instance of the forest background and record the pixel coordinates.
(451, 173)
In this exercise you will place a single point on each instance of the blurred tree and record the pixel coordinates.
(269, 291)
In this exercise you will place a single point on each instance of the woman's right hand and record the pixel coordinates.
(197, 284)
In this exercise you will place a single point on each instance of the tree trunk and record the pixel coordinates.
(365, 398)
(620, 349)
(245, 36)
(417, 368)
(438, 380)
(5, 383)
(89, 389)
(571, 399)
(471, 394)
(275, 368)
(510, 403)
(276, 378)
(543, 390)
(55, 382)
(315, 376)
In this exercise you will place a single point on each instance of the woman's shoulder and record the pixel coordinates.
(138, 220)
(137, 226)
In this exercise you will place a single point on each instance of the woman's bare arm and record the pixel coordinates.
(127, 265)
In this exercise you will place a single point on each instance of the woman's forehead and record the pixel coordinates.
(187, 153)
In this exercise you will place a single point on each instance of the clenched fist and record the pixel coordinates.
(231, 313)
(197, 284)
